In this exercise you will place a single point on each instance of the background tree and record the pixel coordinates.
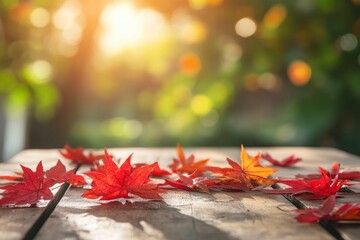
(196, 72)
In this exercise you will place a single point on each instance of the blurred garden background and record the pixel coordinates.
(124, 73)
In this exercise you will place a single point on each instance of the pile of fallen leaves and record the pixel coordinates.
(108, 180)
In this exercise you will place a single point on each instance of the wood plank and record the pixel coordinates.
(226, 214)
(15, 222)
(314, 158)
(348, 230)
(182, 215)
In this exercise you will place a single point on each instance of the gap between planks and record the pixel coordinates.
(327, 225)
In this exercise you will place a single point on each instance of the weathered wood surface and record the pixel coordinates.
(15, 222)
(314, 158)
(182, 215)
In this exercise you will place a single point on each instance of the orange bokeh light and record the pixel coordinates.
(215, 2)
(200, 4)
(299, 73)
(21, 11)
(275, 16)
(190, 64)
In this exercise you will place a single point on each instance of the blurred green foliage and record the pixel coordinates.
(195, 72)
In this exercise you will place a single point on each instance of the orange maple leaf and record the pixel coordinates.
(187, 164)
(249, 172)
(251, 167)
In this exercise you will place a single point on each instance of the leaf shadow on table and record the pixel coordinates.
(140, 220)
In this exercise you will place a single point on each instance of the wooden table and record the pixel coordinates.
(182, 214)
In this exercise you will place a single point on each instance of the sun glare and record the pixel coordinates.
(124, 26)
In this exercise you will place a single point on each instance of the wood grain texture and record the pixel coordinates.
(15, 222)
(349, 230)
(314, 158)
(182, 215)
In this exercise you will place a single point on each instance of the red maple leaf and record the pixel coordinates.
(326, 212)
(59, 174)
(342, 174)
(187, 164)
(34, 188)
(191, 183)
(77, 155)
(157, 171)
(114, 182)
(289, 161)
(319, 188)
(98, 167)
(248, 175)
